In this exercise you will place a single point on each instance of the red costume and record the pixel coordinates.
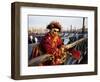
(51, 45)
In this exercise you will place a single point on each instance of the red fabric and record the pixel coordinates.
(35, 52)
(50, 45)
(75, 53)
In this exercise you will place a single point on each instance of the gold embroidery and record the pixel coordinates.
(54, 41)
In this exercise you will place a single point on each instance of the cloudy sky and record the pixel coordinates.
(66, 22)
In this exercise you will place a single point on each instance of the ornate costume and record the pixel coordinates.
(51, 45)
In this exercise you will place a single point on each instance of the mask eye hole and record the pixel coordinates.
(55, 31)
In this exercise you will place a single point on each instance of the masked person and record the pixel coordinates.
(52, 43)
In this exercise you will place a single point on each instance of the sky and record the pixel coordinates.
(66, 22)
